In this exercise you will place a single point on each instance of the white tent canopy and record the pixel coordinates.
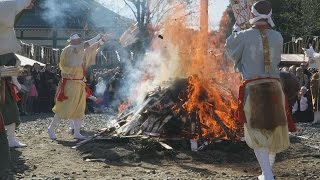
(293, 58)
(27, 61)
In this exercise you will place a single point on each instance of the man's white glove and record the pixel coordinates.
(93, 98)
(236, 28)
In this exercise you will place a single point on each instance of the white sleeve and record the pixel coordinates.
(234, 47)
(21, 5)
(295, 107)
(303, 103)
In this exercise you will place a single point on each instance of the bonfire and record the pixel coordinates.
(194, 99)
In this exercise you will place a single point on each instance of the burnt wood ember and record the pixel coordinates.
(223, 126)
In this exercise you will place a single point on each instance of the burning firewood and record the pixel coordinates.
(223, 126)
(165, 114)
(125, 129)
(166, 146)
(168, 104)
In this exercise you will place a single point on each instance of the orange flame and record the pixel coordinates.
(212, 82)
(123, 106)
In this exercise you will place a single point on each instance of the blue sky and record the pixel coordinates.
(216, 8)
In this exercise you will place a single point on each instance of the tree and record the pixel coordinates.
(151, 13)
(296, 18)
(141, 11)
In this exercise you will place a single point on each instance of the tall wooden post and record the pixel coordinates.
(204, 28)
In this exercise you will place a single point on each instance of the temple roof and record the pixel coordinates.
(72, 14)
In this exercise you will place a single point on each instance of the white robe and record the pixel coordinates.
(8, 11)
(245, 48)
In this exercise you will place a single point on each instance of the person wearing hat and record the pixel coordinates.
(70, 100)
(256, 53)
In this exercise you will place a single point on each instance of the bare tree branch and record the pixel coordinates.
(138, 7)
(156, 6)
(159, 7)
(148, 13)
(143, 11)
(165, 13)
(134, 13)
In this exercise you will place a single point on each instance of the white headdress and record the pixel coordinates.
(259, 16)
(73, 37)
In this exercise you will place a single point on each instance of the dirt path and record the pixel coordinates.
(139, 159)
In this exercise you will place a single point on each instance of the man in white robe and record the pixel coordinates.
(256, 53)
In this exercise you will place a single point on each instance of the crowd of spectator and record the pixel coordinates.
(302, 109)
(39, 85)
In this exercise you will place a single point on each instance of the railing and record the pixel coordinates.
(295, 46)
(48, 55)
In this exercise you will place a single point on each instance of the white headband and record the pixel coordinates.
(73, 37)
(259, 16)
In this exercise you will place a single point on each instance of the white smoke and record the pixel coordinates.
(55, 13)
(101, 87)
(156, 67)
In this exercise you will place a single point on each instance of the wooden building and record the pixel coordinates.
(50, 23)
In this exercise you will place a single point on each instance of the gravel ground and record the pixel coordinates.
(145, 159)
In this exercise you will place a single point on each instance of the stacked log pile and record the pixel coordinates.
(162, 115)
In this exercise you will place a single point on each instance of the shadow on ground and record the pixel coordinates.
(17, 167)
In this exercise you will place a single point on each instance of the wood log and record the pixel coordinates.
(156, 127)
(172, 139)
(171, 103)
(151, 124)
(118, 139)
(167, 119)
(81, 143)
(126, 128)
(223, 126)
(104, 131)
(166, 146)
(130, 129)
(152, 134)
(119, 118)
(154, 112)
(162, 96)
(151, 119)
